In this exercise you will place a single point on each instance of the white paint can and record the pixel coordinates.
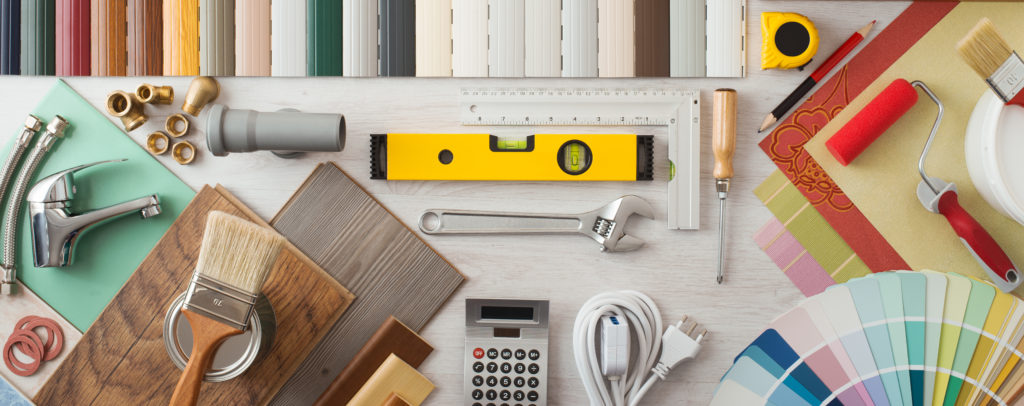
(994, 149)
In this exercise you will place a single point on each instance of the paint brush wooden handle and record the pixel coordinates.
(207, 336)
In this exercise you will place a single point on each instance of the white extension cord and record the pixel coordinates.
(656, 354)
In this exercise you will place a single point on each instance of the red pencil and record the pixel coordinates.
(815, 77)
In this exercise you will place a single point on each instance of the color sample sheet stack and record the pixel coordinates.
(835, 222)
(892, 338)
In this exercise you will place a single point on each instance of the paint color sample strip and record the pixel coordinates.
(914, 290)
(469, 38)
(842, 314)
(815, 308)
(579, 38)
(108, 38)
(978, 307)
(812, 231)
(37, 37)
(217, 37)
(506, 32)
(958, 293)
(615, 36)
(71, 42)
(792, 258)
(252, 38)
(1009, 331)
(730, 393)
(726, 38)
(323, 37)
(651, 19)
(894, 318)
(145, 43)
(288, 39)
(397, 38)
(867, 297)
(935, 284)
(543, 41)
(10, 37)
(359, 38)
(181, 37)
(760, 381)
(433, 38)
(687, 38)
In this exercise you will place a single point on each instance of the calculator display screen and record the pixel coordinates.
(506, 313)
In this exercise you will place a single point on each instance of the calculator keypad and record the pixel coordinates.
(512, 376)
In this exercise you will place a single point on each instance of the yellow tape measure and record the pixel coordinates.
(588, 157)
(790, 40)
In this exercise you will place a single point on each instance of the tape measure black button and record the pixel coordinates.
(574, 157)
(792, 39)
(445, 156)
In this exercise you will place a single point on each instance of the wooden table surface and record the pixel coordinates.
(676, 268)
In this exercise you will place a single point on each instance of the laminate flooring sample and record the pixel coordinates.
(380, 260)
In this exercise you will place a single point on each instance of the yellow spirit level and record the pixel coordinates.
(591, 157)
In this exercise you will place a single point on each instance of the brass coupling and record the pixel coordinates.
(201, 92)
(183, 152)
(158, 143)
(126, 107)
(176, 125)
(151, 94)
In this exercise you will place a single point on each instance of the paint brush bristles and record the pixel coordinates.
(984, 49)
(237, 252)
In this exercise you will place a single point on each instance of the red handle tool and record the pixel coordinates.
(981, 244)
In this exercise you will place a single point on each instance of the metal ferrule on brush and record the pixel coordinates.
(1008, 80)
(218, 301)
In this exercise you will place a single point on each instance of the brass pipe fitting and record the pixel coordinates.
(158, 143)
(124, 106)
(176, 125)
(183, 152)
(150, 94)
(202, 91)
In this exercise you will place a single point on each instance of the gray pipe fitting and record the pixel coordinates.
(283, 132)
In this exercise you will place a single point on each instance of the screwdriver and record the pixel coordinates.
(723, 143)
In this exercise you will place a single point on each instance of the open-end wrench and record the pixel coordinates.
(606, 225)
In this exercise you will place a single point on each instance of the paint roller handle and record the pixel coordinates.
(985, 249)
(723, 141)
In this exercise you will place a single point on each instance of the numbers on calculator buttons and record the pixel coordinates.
(492, 394)
(520, 368)
(505, 395)
(532, 396)
(506, 368)
(520, 354)
(534, 368)
(534, 355)
(478, 394)
(506, 353)
(518, 396)
(505, 381)
(492, 353)
(492, 381)
(519, 382)
(478, 367)
(492, 367)
(478, 380)
(533, 382)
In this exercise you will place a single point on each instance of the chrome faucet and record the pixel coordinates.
(55, 229)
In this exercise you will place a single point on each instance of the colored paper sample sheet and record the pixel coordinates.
(105, 256)
(883, 181)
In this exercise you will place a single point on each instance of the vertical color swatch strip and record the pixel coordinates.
(181, 37)
(359, 40)
(615, 36)
(433, 38)
(108, 37)
(217, 37)
(71, 42)
(506, 30)
(687, 38)
(469, 38)
(397, 38)
(145, 42)
(37, 37)
(288, 38)
(543, 45)
(726, 32)
(252, 38)
(579, 38)
(652, 38)
(323, 36)
(10, 37)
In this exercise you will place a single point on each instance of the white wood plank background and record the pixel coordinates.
(676, 268)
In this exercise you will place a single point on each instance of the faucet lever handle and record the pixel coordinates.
(59, 187)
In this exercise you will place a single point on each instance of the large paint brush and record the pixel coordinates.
(991, 56)
(234, 260)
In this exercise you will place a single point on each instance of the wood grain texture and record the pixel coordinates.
(652, 40)
(252, 30)
(121, 359)
(145, 38)
(109, 51)
(392, 337)
(359, 242)
(181, 37)
(395, 400)
(393, 376)
(72, 40)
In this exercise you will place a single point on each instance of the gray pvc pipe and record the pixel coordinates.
(230, 130)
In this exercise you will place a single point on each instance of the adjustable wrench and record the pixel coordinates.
(606, 225)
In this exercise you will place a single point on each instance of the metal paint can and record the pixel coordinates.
(994, 147)
(236, 354)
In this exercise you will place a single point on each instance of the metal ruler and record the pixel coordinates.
(676, 109)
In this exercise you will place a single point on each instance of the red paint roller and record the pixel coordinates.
(865, 127)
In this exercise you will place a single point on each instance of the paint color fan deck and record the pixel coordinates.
(890, 338)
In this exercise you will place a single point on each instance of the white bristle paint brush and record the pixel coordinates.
(235, 258)
(991, 56)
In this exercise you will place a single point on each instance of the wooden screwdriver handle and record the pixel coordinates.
(723, 132)
(207, 336)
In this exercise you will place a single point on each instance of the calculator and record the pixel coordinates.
(506, 352)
